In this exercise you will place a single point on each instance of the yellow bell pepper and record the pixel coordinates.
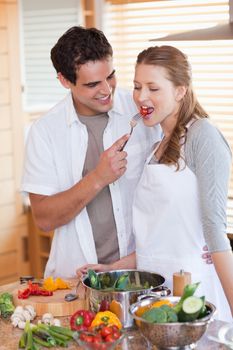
(107, 318)
(141, 310)
(52, 285)
(159, 303)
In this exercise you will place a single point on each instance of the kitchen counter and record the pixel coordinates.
(9, 336)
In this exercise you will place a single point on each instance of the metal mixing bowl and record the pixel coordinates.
(171, 335)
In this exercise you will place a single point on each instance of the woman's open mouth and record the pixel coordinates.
(146, 111)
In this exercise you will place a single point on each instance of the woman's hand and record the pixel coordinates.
(127, 262)
(207, 256)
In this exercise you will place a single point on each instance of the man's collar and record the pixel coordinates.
(72, 115)
(117, 106)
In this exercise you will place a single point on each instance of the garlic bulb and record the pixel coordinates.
(56, 322)
(21, 315)
(47, 318)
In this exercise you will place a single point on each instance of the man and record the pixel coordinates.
(77, 176)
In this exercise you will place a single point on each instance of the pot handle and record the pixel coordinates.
(156, 293)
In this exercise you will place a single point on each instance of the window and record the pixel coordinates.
(43, 22)
(130, 26)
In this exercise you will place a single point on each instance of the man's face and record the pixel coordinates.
(94, 88)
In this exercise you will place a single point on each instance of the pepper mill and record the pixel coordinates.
(180, 280)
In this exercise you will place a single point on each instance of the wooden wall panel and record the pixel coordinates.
(3, 40)
(8, 262)
(5, 117)
(4, 72)
(14, 255)
(2, 15)
(7, 192)
(7, 217)
(6, 142)
(6, 166)
(4, 92)
(9, 240)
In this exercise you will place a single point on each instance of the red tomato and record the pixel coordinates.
(82, 336)
(115, 328)
(104, 305)
(116, 334)
(102, 346)
(109, 338)
(86, 337)
(105, 331)
(97, 339)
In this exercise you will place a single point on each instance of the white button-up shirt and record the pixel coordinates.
(55, 154)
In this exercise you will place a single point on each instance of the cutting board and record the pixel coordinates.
(55, 304)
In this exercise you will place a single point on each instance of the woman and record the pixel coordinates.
(180, 201)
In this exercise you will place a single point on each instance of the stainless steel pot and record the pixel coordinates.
(119, 301)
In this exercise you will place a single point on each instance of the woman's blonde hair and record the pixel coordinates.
(179, 73)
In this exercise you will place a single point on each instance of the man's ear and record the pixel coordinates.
(180, 92)
(65, 83)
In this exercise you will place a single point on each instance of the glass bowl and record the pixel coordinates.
(97, 345)
(225, 335)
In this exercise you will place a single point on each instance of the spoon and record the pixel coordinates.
(73, 296)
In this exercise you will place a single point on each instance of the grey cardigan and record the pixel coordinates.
(208, 155)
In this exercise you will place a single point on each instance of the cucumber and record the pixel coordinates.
(203, 311)
(191, 308)
(189, 290)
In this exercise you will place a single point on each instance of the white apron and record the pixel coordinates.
(168, 230)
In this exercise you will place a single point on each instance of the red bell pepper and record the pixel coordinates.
(24, 294)
(33, 289)
(81, 320)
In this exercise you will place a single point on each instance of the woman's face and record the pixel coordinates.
(153, 89)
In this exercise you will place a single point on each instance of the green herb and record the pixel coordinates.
(6, 305)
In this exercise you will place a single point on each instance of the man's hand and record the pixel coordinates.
(207, 256)
(112, 163)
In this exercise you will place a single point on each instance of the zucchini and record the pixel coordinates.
(191, 308)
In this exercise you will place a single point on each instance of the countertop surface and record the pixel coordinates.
(9, 336)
